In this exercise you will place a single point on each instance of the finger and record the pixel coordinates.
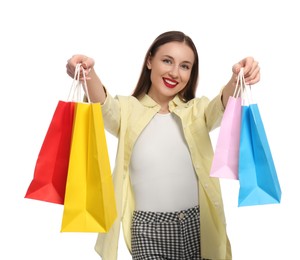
(84, 73)
(254, 77)
(88, 63)
(70, 72)
(244, 63)
(77, 59)
(73, 61)
(248, 64)
(236, 68)
(251, 69)
(241, 64)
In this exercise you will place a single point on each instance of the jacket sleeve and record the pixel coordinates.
(111, 112)
(214, 112)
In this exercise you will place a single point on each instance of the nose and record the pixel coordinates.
(174, 71)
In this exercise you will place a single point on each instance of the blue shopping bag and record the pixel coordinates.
(258, 178)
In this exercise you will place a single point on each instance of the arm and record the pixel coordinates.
(251, 74)
(95, 87)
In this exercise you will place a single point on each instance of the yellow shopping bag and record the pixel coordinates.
(89, 204)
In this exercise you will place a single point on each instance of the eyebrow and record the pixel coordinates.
(168, 56)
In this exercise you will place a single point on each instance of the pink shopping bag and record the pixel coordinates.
(226, 157)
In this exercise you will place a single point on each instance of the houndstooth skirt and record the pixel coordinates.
(166, 235)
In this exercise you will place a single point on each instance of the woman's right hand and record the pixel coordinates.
(94, 84)
(86, 62)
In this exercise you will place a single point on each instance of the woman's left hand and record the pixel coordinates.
(251, 70)
(251, 75)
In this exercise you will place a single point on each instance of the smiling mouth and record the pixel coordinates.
(170, 83)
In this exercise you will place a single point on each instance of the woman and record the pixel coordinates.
(168, 205)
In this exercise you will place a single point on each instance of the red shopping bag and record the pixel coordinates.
(50, 173)
(226, 156)
(51, 169)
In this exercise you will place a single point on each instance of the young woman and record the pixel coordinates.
(168, 205)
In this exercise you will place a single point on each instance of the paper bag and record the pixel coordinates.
(50, 173)
(89, 200)
(226, 156)
(258, 178)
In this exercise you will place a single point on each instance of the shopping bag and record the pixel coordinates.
(51, 168)
(89, 204)
(258, 178)
(226, 156)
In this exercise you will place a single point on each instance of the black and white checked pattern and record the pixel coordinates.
(166, 235)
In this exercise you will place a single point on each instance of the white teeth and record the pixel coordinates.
(170, 82)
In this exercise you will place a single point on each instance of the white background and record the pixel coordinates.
(37, 38)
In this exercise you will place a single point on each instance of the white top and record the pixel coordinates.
(161, 169)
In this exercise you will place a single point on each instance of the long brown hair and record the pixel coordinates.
(144, 81)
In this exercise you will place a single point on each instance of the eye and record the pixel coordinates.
(185, 66)
(167, 61)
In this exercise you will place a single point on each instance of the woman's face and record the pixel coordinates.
(171, 68)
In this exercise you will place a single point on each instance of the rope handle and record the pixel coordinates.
(246, 92)
(239, 84)
(77, 85)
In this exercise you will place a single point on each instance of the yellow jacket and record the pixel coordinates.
(126, 117)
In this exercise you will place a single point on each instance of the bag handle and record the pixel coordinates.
(246, 92)
(239, 85)
(77, 84)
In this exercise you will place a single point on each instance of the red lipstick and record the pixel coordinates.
(170, 83)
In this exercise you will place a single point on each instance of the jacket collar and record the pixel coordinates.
(147, 101)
